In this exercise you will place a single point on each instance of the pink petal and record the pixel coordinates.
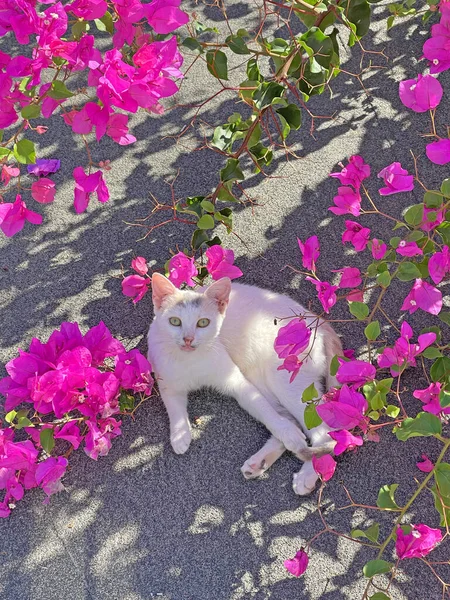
(324, 466)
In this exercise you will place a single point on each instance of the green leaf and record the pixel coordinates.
(372, 331)
(390, 22)
(310, 393)
(292, 114)
(217, 64)
(432, 199)
(105, 23)
(199, 238)
(372, 533)
(59, 91)
(266, 93)
(225, 194)
(24, 152)
(126, 401)
(377, 402)
(408, 271)
(79, 28)
(253, 72)
(47, 440)
(386, 497)
(431, 353)
(334, 365)
(445, 317)
(392, 411)
(440, 369)
(385, 385)
(262, 155)
(444, 398)
(359, 310)
(208, 206)
(424, 425)
(376, 567)
(9, 417)
(311, 417)
(231, 171)
(32, 111)
(237, 45)
(438, 504)
(319, 46)
(445, 188)
(23, 422)
(414, 214)
(192, 44)
(205, 222)
(380, 595)
(442, 476)
(384, 279)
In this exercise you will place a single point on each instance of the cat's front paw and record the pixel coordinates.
(181, 441)
(292, 437)
(304, 482)
(253, 467)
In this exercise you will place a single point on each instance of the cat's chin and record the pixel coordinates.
(187, 348)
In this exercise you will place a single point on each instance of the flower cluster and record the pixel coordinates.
(75, 396)
(292, 340)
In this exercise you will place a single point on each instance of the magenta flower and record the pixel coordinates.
(43, 190)
(101, 344)
(403, 354)
(135, 286)
(139, 264)
(134, 372)
(355, 372)
(44, 167)
(421, 94)
(85, 185)
(310, 252)
(344, 410)
(164, 15)
(220, 263)
(345, 441)
(13, 216)
(430, 397)
(439, 265)
(426, 466)
(297, 565)
(348, 202)
(8, 172)
(49, 473)
(99, 436)
(324, 466)
(293, 338)
(350, 277)
(354, 173)
(396, 179)
(424, 296)
(291, 364)
(418, 543)
(431, 218)
(69, 432)
(378, 249)
(88, 9)
(181, 270)
(117, 129)
(356, 234)
(409, 249)
(439, 152)
(325, 293)
(436, 49)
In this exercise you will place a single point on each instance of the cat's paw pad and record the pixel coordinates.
(253, 467)
(181, 441)
(292, 437)
(304, 483)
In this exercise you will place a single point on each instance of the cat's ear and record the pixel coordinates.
(161, 288)
(220, 292)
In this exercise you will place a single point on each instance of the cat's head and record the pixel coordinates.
(190, 319)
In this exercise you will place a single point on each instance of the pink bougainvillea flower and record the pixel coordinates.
(49, 473)
(291, 364)
(18, 455)
(134, 372)
(348, 202)
(436, 49)
(220, 263)
(101, 344)
(356, 234)
(430, 397)
(421, 94)
(135, 286)
(345, 441)
(13, 216)
(431, 218)
(439, 152)
(164, 15)
(350, 277)
(354, 173)
(439, 265)
(350, 353)
(88, 9)
(69, 432)
(139, 264)
(409, 249)
(99, 436)
(403, 354)
(355, 372)
(85, 185)
(425, 296)
(8, 172)
(293, 338)
(117, 129)
(181, 270)
(344, 410)
(425, 464)
(44, 167)
(324, 466)
(325, 293)
(43, 190)
(396, 179)
(418, 543)
(297, 565)
(378, 249)
(310, 252)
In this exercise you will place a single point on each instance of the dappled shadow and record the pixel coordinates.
(142, 522)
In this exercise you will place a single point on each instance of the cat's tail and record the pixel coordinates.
(307, 453)
(332, 346)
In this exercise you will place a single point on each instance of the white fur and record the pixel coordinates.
(235, 355)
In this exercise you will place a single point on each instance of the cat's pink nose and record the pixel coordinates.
(188, 340)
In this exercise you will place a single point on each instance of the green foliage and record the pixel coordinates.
(376, 567)
(25, 152)
(386, 498)
(217, 64)
(424, 425)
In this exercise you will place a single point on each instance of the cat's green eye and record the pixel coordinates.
(175, 321)
(203, 322)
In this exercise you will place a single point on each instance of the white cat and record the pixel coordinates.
(223, 337)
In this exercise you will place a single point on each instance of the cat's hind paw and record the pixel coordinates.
(181, 441)
(254, 467)
(304, 482)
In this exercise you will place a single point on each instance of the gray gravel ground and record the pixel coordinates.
(143, 523)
